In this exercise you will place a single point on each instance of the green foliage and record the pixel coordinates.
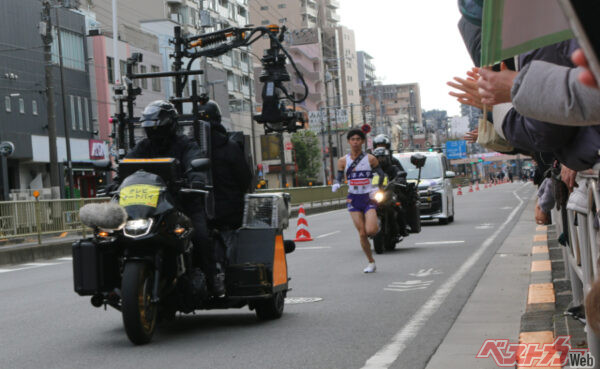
(308, 156)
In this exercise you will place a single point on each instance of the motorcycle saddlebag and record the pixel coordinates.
(95, 267)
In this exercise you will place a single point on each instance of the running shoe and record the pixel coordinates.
(371, 268)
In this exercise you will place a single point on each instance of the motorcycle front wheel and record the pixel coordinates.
(139, 313)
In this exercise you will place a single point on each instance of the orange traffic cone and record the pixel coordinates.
(471, 188)
(459, 193)
(302, 233)
(477, 186)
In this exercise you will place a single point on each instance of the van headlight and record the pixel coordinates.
(379, 196)
(137, 227)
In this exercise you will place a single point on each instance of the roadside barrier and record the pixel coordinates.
(580, 221)
(20, 219)
(302, 233)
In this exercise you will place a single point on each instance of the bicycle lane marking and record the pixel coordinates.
(388, 354)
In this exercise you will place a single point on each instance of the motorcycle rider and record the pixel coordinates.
(159, 120)
(392, 168)
(232, 176)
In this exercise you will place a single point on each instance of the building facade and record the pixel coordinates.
(24, 116)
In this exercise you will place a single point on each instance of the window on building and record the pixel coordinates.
(144, 81)
(350, 92)
(265, 22)
(72, 50)
(86, 114)
(122, 67)
(264, 7)
(155, 81)
(7, 103)
(270, 147)
(282, 20)
(110, 67)
(34, 107)
(80, 113)
(282, 6)
(73, 119)
(21, 105)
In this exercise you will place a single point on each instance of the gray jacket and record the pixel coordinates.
(552, 93)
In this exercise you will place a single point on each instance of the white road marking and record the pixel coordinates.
(408, 286)
(506, 208)
(328, 234)
(439, 243)
(27, 266)
(388, 354)
(69, 258)
(485, 226)
(425, 273)
(327, 213)
(404, 290)
(313, 248)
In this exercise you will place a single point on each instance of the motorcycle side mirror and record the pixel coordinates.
(200, 165)
(450, 174)
(289, 246)
(102, 164)
(418, 160)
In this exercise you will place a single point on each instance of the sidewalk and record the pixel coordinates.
(497, 304)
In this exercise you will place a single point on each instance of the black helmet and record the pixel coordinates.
(383, 156)
(382, 140)
(210, 112)
(159, 120)
(159, 113)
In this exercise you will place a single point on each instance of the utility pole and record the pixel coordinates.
(329, 140)
(115, 44)
(46, 33)
(283, 171)
(64, 108)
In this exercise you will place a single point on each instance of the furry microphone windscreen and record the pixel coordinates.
(105, 216)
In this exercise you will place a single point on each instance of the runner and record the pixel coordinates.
(358, 168)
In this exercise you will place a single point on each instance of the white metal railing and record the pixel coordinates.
(580, 221)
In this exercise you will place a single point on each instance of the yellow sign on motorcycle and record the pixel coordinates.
(146, 195)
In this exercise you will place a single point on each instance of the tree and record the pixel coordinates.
(308, 159)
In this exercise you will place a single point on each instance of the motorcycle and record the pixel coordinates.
(397, 199)
(139, 259)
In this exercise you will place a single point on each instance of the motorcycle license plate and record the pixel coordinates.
(146, 195)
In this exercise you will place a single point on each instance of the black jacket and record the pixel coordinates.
(182, 148)
(231, 177)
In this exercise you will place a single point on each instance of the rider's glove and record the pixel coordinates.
(335, 187)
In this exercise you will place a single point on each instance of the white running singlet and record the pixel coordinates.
(359, 181)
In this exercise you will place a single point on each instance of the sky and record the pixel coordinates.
(411, 41)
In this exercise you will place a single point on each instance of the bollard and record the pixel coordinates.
(38, 216)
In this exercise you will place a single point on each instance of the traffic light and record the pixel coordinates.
(430, 149)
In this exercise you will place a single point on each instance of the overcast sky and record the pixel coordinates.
(411, 41)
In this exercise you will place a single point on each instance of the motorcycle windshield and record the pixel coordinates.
(144, 195)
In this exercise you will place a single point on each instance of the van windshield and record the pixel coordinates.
(431, 170)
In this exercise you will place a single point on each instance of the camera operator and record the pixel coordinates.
(231, 176)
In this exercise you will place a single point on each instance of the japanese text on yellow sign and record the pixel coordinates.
(145, 195)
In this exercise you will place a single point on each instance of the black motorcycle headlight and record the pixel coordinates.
(138, 227)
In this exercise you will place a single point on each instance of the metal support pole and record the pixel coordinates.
(282, 154)
(64, 109)
(115, 44)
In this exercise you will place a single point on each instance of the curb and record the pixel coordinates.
(16, 254)
(544, 318)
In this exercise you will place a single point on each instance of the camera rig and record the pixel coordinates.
(275, 115)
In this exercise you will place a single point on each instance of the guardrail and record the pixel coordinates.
(19, 219)
(581, 254)
(22, 219)
(317, 195)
